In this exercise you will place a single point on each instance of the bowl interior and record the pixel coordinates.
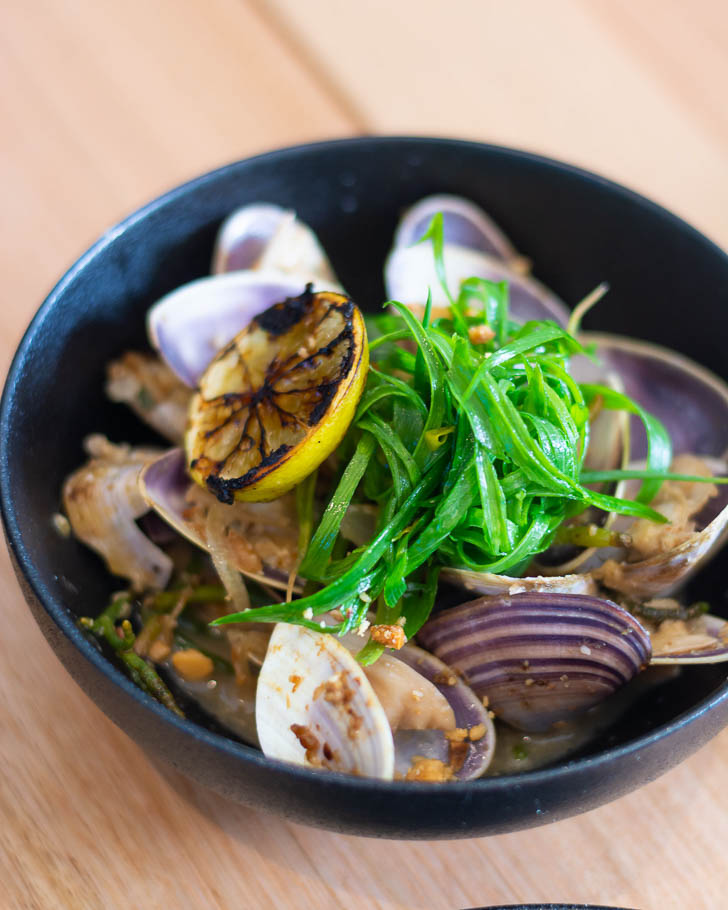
(668, 284)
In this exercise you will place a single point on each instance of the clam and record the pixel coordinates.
(540, 658)
(699, 640)
(689, 400)
(471, 751)
(464, 224)
(262, 236)
(244, 235)
(488, 583)
(315, 706)
(410, 271)
(192, 323)
(692, 404)
(663, 558)
(262, 537)
(474, 247)
(147, 385)
(263, 254)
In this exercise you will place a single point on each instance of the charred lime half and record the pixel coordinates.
(278, 399)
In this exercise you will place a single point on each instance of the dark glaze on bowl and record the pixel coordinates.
(669, 284)
(548, 907)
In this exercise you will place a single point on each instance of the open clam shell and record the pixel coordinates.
(315, 707)
(701, 640)
(264, 236)
(192, 323)
(471, 756)
(688, 399)
(244, 235)
(488, 583)
(164, 484)
(464, 224)
(540, 658)
(410, 271)
(692, 404)
(665, 573)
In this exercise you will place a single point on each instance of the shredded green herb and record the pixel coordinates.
(473, 453)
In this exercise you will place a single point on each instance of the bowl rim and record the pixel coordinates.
(64, 620)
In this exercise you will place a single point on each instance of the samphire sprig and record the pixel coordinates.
(470, 439)
(114, 627)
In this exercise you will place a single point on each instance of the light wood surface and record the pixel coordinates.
(104, 105)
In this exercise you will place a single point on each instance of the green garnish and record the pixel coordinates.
(113, 626)
(473, 453)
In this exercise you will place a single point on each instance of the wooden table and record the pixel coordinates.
(103, 105)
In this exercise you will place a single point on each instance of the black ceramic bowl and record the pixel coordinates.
(669, 284)
(547, 907)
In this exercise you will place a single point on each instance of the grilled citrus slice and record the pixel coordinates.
(278, 399)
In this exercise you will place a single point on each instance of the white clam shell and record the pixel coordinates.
(310, 680)
(410, 271)
(264, 236)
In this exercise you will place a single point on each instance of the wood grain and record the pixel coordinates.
(105, 105)
(610, 86)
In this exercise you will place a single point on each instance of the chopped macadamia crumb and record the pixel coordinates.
(192, 664)
(389, 636)
(430, 770)
(445, 678)
(480, 334)
(458, 753)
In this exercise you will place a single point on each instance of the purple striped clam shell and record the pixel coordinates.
(540, 658)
